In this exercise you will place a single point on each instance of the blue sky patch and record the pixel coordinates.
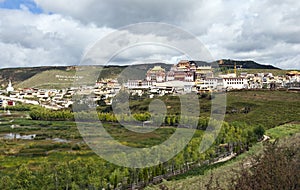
(18, 4)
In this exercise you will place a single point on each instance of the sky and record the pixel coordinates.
(48, 32)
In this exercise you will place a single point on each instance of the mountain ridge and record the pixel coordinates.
(20, 74)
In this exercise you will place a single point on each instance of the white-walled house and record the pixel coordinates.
(14, 94)
(138, 84)
(42, 94)
(235, 83)
(210, 84)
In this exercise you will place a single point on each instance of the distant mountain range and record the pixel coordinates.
(243, 64)
(20, 76)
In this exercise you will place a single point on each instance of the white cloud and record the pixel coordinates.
(118, 13)
(31, 40)
(147, 41)
(265, 31)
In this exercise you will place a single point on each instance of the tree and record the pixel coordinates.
(259, 131)
(24, 178)
(6, 183)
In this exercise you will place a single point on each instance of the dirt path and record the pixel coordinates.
(232, 155)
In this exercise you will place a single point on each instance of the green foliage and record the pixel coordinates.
(24, 178)
(18, 107)
(73, 166)
(6, 183)
(51, 115)
(94, 173)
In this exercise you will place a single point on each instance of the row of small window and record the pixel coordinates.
(235, 83)
(234, 79)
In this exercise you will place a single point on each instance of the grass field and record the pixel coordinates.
(41, 80)
(283, 131)
(267, 108)
(275, 72)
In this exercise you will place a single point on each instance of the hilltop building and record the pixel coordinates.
(202, 73)
(156, 74)
(183, 71)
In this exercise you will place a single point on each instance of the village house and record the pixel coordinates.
(139, 84)
(235, 83)
(209, 84)
(293, 76)
(183, 77)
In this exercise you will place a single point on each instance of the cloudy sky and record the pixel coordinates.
(48, 32)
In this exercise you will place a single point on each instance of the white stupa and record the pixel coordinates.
(10, 88)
